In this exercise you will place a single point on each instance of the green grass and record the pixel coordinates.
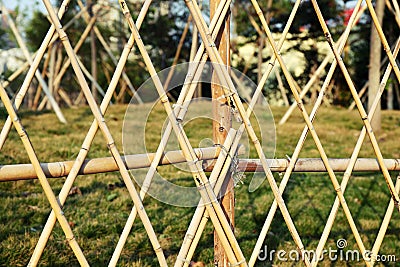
(99, 214)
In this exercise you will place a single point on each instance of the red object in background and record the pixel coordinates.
(346, 16)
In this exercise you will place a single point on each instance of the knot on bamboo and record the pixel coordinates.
(184, 260)
(237, 263)
(70, 239)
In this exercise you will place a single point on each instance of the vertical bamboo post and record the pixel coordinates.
(222, 122)
(93, 53)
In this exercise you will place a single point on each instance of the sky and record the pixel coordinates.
(27, 5)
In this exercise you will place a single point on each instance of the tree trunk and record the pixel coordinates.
(221, 124)
(93, 54)
(374, 65)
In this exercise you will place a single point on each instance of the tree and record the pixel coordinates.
(375, 66)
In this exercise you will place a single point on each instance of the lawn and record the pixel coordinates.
(98, 213)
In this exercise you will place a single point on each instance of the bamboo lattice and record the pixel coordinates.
(209, 187)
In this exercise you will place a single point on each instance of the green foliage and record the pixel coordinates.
(36, 29)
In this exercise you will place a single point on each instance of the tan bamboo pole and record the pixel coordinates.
(193, 234)
(215, 210)
(65, 97)
(360, 94)
(314, 77)
(42, 178)
(307, 87)
(180, 109)
(15, 74)
(201, 216)
(110, 53)
(31, 72)
(354, 155)
(315, 165)
(217, 216)
(45, 64)
(177, 53)
(296, 153)
(39, 87)
(90, 77)
(244, 92)
(396, 16)
(89, 138)
(397, 11)
(38, 75)
(58, 66)
(222, 74)
(384, 224)
(52, 63)
(353, 90)
(79, 98)
(121, 92)
(16, 172)
(281, 87)
(193, 50)
(317, 141)
(82, 38)
(107, 135)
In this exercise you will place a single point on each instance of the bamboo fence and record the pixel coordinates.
(223, 156)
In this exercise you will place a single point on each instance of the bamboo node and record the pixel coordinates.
(184, 260)
(69, 239)
(110, 145)
(182, 107)
(190, 236)
(164, 99)
(237, 263)
(227, 96)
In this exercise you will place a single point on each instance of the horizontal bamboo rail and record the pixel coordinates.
(16, 172)
(316, 165)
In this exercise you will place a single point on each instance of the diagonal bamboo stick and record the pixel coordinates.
(78, 45)
(217, 216)
(201, 216)
(180, 109)
(353, 158)
(38, 75)
(31, 72)
(232, 95)
(88, 140)
(317, 141)
(192, 233)
(102, 125)
(177, 53)
(300, 143)
(314, 77)
(15, 74)
(109, 52)
(360, 107)
(385, 224)
(281, 87)
(360, 94)
(42, 178)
